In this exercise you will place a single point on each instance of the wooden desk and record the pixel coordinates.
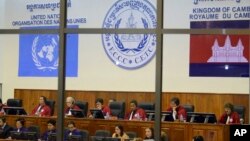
(175, 131)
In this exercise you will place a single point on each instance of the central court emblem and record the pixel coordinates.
(130, 51)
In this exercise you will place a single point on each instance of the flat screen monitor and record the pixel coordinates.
(52, 137)
(17, 135)
(74, 138)
(150, 115)
(77, 113)
(2, 134)
(32, 136)
(97, 113)
(167, 116)
(198, 117)
(97, 138)
(14, 111)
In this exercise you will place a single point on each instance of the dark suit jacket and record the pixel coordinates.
(5, 132)
(45, 135)
(74, 132)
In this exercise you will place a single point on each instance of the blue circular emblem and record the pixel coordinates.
(130, 51)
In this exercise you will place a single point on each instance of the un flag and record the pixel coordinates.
(39, 55)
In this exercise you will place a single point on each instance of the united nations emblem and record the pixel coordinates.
(130, 51)
(45, 52)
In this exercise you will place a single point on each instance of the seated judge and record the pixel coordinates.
(70, 102)
(41, 109)
(229, 116)
(105, 109)
(178, 111)
(119, 133)
(135, 112)
(1, 107)
(72, 130)
(4, 128)
(51, 128)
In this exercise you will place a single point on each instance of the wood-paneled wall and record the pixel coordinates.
(203, 102)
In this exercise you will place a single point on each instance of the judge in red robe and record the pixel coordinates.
(70, 102)
(229, 116)
(135, 112)
(178, 112)
(41, 109)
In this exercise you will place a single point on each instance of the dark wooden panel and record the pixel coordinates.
(176, 131)
(203, 102)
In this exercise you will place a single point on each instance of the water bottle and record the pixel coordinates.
(181, 118)
(107, 115)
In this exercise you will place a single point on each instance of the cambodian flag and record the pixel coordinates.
(39, 55)
(219, 55)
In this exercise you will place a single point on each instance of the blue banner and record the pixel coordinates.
(39, 54)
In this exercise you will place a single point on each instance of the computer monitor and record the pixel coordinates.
(52, 137)
(17, 135)
(198, 117)
(98, 138)
(150, 115)
(77, 113)
(167, 116)
(32, 136)
(97, 113)
(14, 111)
(74, 138)
(2, 136)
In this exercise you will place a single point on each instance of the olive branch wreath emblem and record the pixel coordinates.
(141, 44)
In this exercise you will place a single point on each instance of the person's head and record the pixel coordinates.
(174, 102)
(71, 126)
(111, 100)
(99, 103)
(51, 124)
(198, 138)
(1, 102)
(119, 130)
(70, 101)
(133, 105)
(42, 100)
(20, 122)
(229, 108)
(2, 121)
(149, 133)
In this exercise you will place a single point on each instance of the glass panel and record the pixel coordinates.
(181, 14)
(112, 14)
(29, 13)
(108, 72)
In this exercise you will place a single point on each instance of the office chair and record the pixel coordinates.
(147, 106)
(131, 134)
(83, 105)
(14, 102)
(102, 133)
(241, 111)
(85, 135)
(117, 109)
(51, 104)
(188, 107)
